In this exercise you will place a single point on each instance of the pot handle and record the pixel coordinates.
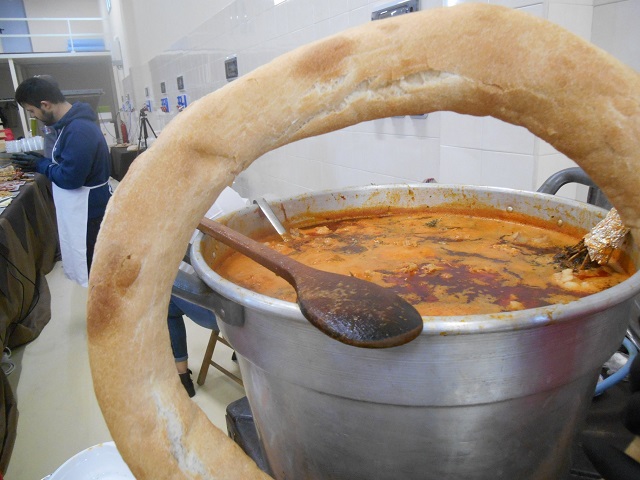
(191, 288)
(575, 175)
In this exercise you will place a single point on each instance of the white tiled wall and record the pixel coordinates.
(449, 147)
(616, 28)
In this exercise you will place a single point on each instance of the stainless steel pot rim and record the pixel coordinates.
(436, 325)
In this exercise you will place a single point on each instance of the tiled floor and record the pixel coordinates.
(58, 413)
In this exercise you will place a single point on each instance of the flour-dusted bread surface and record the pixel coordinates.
(473, 59)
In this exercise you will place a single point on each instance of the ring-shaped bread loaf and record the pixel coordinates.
(473, 59)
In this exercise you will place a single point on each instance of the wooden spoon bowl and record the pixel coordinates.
(348, 309)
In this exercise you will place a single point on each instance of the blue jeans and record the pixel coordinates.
(177, 331)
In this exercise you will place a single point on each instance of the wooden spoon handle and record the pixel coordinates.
(278, 263)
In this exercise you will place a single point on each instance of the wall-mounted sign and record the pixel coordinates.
(163, 88)
(231, 67)
(396, 9)
(164, 104)
(180, 82)
(182, 102)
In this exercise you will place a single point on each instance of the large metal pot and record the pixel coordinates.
(483, 396)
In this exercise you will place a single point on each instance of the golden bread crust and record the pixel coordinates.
(473, 59)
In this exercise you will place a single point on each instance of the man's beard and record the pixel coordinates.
(47, 118)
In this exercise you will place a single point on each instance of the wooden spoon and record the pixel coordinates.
(352, 311)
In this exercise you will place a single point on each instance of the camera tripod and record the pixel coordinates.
(144, 133)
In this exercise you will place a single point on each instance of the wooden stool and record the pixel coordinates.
(208, 360)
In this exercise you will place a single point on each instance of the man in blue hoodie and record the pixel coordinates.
(79, 170)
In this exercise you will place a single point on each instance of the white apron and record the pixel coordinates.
(72, 207)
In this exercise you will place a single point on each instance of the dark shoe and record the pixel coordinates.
(187, 383)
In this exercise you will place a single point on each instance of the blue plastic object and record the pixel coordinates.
(620, 374)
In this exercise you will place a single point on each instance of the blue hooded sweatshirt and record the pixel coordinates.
(82, 157)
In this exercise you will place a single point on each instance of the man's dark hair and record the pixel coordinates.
(37, 89)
